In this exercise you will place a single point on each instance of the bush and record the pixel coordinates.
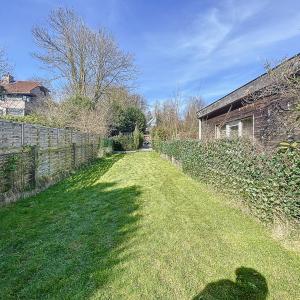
(137, 138)
(105, 147)
(268, 183)
(106, 143)
(128, 142)
(159, 134)
(32, 119)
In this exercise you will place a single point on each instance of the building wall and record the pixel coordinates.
(261, 111)
(36, 100)
(17, 105)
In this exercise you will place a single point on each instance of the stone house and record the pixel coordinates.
(18, 98)
(236, 115)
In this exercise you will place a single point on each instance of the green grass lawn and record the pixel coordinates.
(135, 227)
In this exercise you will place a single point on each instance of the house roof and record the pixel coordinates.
(20, 87)
(250, 87)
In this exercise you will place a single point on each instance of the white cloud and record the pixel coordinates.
(233, 34)
(208, 33)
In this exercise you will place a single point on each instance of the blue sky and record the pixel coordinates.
(202, 47)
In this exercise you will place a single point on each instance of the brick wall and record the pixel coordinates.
(33, 156)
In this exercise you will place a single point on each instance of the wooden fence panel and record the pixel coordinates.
(32, 156)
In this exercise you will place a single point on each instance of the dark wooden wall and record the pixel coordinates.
(263, 112)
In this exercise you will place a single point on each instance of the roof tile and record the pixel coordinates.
(20, 87)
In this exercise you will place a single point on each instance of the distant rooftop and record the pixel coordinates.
(18, 87)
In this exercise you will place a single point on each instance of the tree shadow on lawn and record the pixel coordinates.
(249, 285)
(70, 246)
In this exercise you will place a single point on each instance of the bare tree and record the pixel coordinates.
(89, 61)
(282, 87)
(102, 119)
(176, 118)
(168, 116)
(93, 121)
(4, 67)
(190, 126)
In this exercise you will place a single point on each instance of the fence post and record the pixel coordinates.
(88, 146)
(35, 162)
(22, 134)
(73, 155)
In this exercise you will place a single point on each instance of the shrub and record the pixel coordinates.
(32, 119)
(159, 134)
(128, 142)
(105, 147)
(137, 138)
(106, 143)
(268, 183)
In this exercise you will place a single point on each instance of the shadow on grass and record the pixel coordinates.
(249, 285)
(70, 244)
(88, 175)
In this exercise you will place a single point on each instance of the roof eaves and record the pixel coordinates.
(222, 101)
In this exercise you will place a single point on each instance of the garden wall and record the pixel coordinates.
(268, 183)
(33, 156)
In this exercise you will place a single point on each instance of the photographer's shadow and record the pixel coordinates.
(249, 285)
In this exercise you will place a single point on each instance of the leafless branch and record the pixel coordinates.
(90, 61)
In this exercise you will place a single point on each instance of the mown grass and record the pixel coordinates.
(135, 227)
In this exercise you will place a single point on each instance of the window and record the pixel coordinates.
(247, 127)
(221, 131)
(15, 111)
(26, 98)
(234, 129)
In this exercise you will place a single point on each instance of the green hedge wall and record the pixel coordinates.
(127, 142)
(268, 183)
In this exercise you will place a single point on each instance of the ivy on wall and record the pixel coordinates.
(32, 168)
(7, 171)
(15, 171)
(268, 183)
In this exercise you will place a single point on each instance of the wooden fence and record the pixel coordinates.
(33, 156)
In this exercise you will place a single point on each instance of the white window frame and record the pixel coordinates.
(217, 131)
(237, 123)
(200, 129)
(231, 124)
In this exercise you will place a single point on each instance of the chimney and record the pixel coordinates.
(6, 79)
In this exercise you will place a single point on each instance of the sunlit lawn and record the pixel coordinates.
(135, 227)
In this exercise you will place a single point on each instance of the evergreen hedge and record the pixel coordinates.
(269, 183)
(127, 142)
